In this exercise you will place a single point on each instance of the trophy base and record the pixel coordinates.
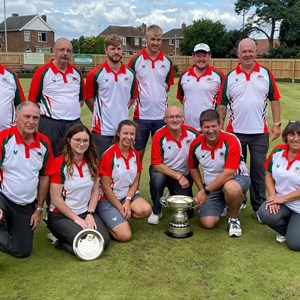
(179, 233)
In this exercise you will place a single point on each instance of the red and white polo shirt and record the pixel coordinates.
(198, 93)
(58, 94)
(170, 152)
(246, 97)
(122, 171)
(11, 94)
(285, 173)
(112, 93)
(227, 154)
(76, 189)
(154, 80)
(21, 165)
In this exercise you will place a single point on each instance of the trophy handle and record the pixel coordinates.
(163, 201)
(195, 205)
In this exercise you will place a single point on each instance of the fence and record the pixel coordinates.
(282, 68)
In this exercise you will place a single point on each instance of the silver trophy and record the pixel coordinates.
(179, 226)
(88, 244)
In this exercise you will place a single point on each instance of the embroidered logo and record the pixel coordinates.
(277, 166)
(169, 147)
(54, 80)
(114, 219)
(143, 66)
(296, 170)
(15, 151)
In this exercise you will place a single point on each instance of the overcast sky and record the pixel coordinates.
(73, 19)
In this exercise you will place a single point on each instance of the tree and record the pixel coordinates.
(206, 31)
(265, 16)
(89, 45)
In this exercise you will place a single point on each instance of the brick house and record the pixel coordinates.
(263, 45)
(27, 34)
(132, 37)
(171, 40)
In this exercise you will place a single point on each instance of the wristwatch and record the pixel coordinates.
(92, 213)
(277, 124)
(39, 208)
(206, 191)
(128, 198)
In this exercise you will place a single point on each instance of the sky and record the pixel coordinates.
(73, 19)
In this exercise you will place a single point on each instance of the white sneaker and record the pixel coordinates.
(243, 206)
(52, 238)
(224, 212)
(280, 238)
(154, 219)
(234, 227)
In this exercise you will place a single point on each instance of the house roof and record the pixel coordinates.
(16, 22)
(171, 33)
(127, 31)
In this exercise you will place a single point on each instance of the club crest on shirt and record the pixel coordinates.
(296, 170)
(5, 80)
(39, 155)
(188, 141)
(162, 66)
(260, 77)
(221, 155)
(74, 78)
(126, 78)
(208, 79)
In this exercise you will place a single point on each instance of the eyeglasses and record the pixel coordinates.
(174, 117)
(80, 141)
(64, 50)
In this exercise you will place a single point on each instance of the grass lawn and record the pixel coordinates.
(209, 265)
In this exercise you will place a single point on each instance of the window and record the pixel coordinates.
(144, 43)
(136, 41)
(177, 43)
(123, 40)
(42, 37)
(171, 42)
(43, 50)
(26, 36)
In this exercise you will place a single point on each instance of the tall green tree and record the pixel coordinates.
(264, 15)
(209, 32)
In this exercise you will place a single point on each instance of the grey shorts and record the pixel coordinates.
(109, 214)
(215, 201)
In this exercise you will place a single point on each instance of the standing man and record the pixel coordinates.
(225, 173)
(244, 93)
(26, 161)
(169, 160)
(198, 86)
(58, 88)
(11, 96)
(155, 74)
(110, 90)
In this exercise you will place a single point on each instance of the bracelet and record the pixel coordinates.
(180, 177)
(92, 213)
(128, 198)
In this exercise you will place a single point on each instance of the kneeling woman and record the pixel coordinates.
(74, 189)
(120, 170)
(281, 211)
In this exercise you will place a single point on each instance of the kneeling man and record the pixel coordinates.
(225, 173)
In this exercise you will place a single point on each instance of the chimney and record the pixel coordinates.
(183, 26)
(15, 15)
(44, 17)
(143, 28)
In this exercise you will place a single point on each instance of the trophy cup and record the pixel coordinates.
(179, 226)
(88, 244)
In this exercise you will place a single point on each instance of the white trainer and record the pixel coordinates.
(52, 238)
(280, 238)
(234, 227)
(154, 219)
(224, 212)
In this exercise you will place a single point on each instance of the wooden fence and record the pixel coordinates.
(282, 68)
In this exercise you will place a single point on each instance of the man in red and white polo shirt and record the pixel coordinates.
(110, 90)
(245, 93)
(169, 160)
(58, 88)
(26, 162)
(155, 74)
(225, 173)
(198, 86)
(11, 96)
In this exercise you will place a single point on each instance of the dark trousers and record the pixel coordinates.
(16, 236)
(55, 130)
(159, 181)
(286, 222)
(258, 145)
(66, 229)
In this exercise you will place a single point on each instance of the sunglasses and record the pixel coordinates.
(292, 122)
